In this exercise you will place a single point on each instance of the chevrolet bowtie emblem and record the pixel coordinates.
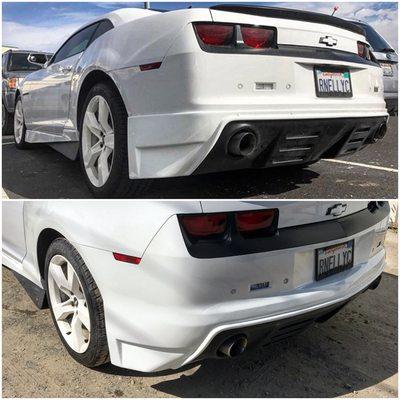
(328, 40)
(337, 209)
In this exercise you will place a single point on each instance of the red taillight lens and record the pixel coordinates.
(215, 34)
(250, 221)
(258, 38)
(204, 224)
(126, 258)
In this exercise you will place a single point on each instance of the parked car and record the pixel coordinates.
(388, 60)
(145, 94)
(154, 285)
(15, 66)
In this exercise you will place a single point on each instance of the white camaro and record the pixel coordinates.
(145, 94)
(153, 285)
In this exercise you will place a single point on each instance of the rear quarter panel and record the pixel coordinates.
(125, 227)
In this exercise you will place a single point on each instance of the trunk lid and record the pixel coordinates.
(294, 27)
(291, 213)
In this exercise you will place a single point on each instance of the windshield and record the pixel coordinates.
(19, 62)
(377, 42)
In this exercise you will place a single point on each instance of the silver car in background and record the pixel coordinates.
(388, 59)
(16, 65)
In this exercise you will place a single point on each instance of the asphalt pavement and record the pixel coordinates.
(41, 172)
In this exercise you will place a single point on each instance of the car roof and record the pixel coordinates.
(121, 16)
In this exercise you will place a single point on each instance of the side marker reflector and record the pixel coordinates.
(148, 67)
(126, 258)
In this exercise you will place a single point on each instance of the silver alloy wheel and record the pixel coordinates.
(98, 141)
(69, 304)
(18, 122)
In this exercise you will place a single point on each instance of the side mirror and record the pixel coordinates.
(37, 59)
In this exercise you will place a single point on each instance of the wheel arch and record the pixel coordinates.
(45, 239)
(91, 79)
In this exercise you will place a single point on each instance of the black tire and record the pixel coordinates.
(7, 127)
(22, 144)
(118, 183)
(97, 352)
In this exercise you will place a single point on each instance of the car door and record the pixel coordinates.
(49, 89)
(13, 230)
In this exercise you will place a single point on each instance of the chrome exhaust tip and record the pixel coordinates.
(242, 143)
(381, 132)
(233, 347)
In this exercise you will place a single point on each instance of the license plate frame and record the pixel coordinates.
(332, 94)
(337, 269)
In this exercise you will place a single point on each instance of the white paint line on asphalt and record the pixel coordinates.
(356, 164)
(4, 143)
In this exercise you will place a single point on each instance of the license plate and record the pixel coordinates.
(330, 82)
(387, 69)
(334, 259)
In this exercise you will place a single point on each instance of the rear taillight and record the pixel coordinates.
(250, 221)
(363, 50)
(226, 226)
(204, 225)
(215, 34)
(257, 38)
(234, 37)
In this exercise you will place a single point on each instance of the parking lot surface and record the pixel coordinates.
(372, 173)
(352, 355)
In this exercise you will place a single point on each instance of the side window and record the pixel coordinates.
(75, 44)
(4, 62)
(103, 27)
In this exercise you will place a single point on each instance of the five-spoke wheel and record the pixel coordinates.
(76, 304)
(69, 303)
(98, 141)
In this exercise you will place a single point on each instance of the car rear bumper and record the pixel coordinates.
(277, 329)
(166, 311)
(182, 108)
(181, 144)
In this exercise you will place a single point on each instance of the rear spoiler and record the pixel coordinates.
(286, 13)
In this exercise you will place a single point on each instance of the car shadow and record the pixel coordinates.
(41, 172)
(233, 184)
(354, 350)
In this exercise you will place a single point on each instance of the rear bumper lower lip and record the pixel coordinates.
(293, 142)
(176, 144)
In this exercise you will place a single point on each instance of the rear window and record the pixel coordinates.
(377, 42)
(19, 62)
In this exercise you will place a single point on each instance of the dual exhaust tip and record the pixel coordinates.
(379, 133)
(243, 143)
(233, 347)
(236, 345)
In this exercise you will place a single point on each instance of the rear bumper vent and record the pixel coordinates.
(288, 142)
